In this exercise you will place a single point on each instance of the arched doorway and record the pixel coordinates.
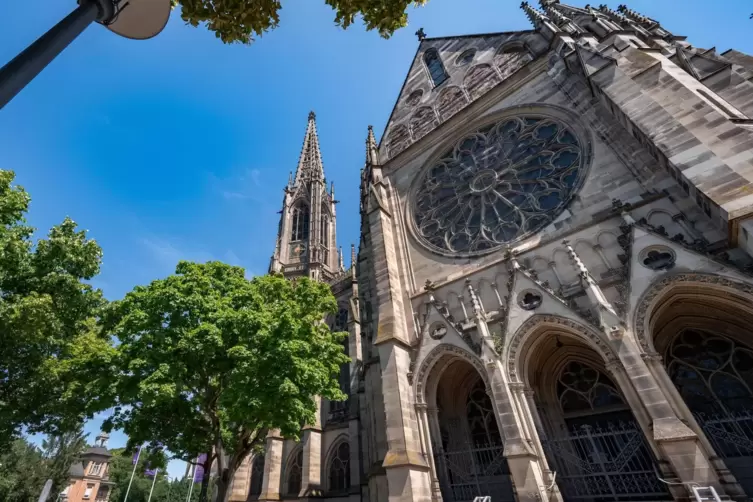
(706, 340)
(466, 441)
(587, 430)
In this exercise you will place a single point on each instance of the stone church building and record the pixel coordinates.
(552, 297)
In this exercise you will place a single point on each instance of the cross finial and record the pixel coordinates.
(312, 115)
(421, 34)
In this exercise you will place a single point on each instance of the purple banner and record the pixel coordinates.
(198, 473)
(149, 472)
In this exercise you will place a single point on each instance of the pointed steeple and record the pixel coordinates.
(310, 162)
(372, 157)
(307, 233)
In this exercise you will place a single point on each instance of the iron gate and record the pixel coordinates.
(605, 462)
(731, 435)
(472, 472)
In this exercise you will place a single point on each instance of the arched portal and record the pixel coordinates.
(466, 440)
(588, 432)
(706, 339)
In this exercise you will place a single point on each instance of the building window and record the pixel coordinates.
(300, 230)
(339, 468)
(88, 491)
(341, 321)
(95, 468)
(435, 66)
(257, 477)
(295, 474)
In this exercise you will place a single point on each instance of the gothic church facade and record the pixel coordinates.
(552, 297)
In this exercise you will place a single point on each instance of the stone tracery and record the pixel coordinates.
(498, 185)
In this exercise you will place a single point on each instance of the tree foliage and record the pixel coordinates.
(59, 453)
(209, 361)
(121, 468)
(46, 337)
(22, 472)
(241, 20)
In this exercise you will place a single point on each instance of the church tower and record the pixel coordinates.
(306, 243)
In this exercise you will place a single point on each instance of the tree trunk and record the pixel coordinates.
(205, 478)
(224, 483)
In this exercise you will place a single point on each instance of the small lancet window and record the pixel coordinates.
(300, 223)
(434, 65)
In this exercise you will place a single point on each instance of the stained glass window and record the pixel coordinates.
(713, 373)
(481, 420)
(435, 66)
(300, 230)
(497, 185)
(339, 468)
(583, 388)
(295, 474)
(257, 477)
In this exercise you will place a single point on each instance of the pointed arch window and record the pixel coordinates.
(339, 468)
(300, 223)
(435, 66)
(257, 477)
(325, 234)
(295, 474)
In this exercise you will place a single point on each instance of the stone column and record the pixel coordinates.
(423, 420)
(522, 460)
(270, 489)
(406, 469)
(654, 363)
(241, 482)
(432, 417)
(677, 443)
(311, 482)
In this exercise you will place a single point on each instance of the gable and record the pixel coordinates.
(472, 66)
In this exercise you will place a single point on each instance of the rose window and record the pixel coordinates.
(498, 185)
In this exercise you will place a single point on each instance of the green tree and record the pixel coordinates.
(209, 361)
(22, 472)
(46, 341)
(121, 468)
(241, 20)
(59, 453)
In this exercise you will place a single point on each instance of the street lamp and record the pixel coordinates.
(135, 19)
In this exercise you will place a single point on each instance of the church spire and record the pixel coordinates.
(306, 238)
(310, 165)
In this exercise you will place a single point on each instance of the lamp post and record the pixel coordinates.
(136, 19)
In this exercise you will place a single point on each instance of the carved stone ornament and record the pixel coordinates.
(595, 338)
(657, 258)
(529, 299)
(444, 350)
(665, 283)
(438, 331)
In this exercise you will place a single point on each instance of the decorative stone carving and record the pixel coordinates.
(480, 79)
(593, 336)
(508, 63)
(666, 282)
(442, 350)
(529, 300)
(438, 331)
(657, 258)
(450, 101)
(414, 97)
(422, 122)
(398, 140)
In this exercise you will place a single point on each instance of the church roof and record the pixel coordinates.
(76, 470)
(472, 65)
(310, 164)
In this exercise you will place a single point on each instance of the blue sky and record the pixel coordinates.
(179, 147)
